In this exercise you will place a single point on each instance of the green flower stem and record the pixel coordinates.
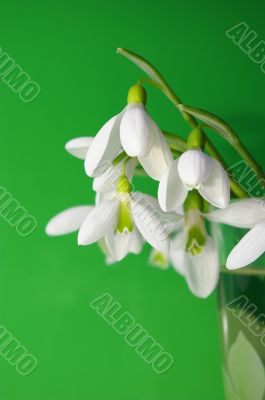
(244, 153)
(157, 80)
(122, 156)
(244, 271)
(235, 187)
(175, 142)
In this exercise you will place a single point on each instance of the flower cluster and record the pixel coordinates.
(193, 188)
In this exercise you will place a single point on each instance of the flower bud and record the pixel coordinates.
(194, 168)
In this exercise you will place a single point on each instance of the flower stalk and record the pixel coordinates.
(161, 83)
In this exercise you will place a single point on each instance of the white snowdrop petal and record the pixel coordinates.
(171, 191)
(102, 197)
(216, 189)
(136, 130)
(150, 221)
(99, 221)
(67, 221)
(105, 250)
(78, 147)
(194, 167)
(118, 244)
(159, 158)
(107, 181)
(172, 220)
(177, 253)
(104, 148)
(136, 244)
(250, 247)
(243, 213)
(202, 270)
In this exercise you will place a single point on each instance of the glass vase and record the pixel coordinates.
(241, 299)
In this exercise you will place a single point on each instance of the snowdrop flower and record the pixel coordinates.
(120, 218)
(134, 132)
(72, 219)
(248, 214)
(118, 215)
(194, 170)
(107, 181)
(194, 255)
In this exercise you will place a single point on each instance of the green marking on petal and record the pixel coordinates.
(125, 223)
(158, 259)
(196, 240)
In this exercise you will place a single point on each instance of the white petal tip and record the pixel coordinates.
(49, 230)
(89, 171)
(232, 265)
(78, 147)
(80, 242)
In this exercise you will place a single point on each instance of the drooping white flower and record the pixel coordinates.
(134, 132)
(194, 255)
(194, 170)
(248, 214)
(121, 218)
(72, 219)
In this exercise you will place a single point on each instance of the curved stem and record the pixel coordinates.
(244, 271)
(175, 141)
(245, 154)
(235, 187)
(157, 80)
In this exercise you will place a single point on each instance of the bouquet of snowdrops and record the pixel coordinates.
(194, 186)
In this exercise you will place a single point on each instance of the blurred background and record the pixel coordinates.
(69, 49)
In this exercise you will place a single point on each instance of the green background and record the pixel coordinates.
(46, 284)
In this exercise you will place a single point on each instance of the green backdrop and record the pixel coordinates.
(46, 284)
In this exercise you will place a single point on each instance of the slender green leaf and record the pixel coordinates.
(151, 71)
(148, 68)
(212, 121)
